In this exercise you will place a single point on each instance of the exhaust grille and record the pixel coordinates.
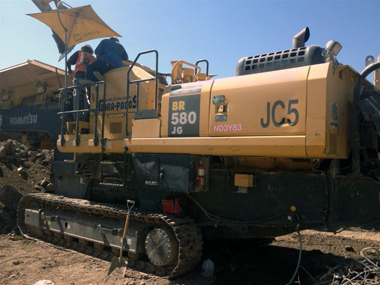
(280, 60)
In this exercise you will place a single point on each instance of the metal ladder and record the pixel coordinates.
(121, 167)
(111, 159)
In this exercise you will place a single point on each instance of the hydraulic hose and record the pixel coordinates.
(299, 260)
(356, 120)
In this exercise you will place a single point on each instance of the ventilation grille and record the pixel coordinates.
(280, 60)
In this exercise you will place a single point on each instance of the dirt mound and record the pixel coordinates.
(23, 169)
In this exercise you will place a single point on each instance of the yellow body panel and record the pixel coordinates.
(248, 98)
(292, 146)
(294, 113)
(330, 93)
(116, 100)
(147, 128)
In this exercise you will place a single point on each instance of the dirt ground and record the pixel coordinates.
(27, 261)
(325, 256)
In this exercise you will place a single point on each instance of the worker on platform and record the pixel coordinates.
(110, 54)
(82, 59)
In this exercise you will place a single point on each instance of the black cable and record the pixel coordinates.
(220, 219)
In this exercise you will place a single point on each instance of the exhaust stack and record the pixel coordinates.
(301, 38)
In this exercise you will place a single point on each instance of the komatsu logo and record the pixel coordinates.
(23, 120)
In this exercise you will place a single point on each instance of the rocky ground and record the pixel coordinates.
(23, 169)
(349, 257)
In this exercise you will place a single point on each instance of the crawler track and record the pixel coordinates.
(186, 232)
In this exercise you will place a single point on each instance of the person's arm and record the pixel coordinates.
(72, 60)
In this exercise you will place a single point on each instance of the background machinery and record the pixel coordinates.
(290, 142)
(30, 100)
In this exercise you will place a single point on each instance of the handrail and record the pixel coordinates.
(207, 65)
(63, 100)
(140, 80)
(95, 111)
(102, 140)
(179, 63)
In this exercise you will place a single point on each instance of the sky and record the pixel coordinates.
(221, 31)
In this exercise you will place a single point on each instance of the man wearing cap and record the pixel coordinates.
(109, 54)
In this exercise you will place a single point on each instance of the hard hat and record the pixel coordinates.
(88, 47)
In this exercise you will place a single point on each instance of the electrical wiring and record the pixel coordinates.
(221, 219)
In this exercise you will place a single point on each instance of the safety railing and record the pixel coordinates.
(137, 82)
(65, 101)
(207, 66)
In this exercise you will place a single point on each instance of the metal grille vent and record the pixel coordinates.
(280, 60)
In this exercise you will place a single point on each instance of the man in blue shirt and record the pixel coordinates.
(109, 54)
